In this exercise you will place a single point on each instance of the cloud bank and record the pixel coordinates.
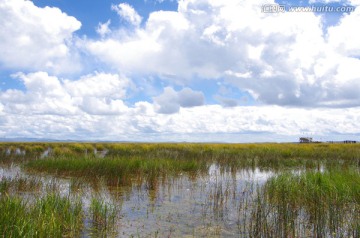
(280, 59)
(303, 76)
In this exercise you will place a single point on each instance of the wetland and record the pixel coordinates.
(179, 190)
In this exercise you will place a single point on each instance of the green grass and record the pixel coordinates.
(51, 216)
(264, 156)
(103, 218)
(325, 187)
(118, 167)
(148, 161)
(324, 203)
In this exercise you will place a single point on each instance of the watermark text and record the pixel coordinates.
(281, 8)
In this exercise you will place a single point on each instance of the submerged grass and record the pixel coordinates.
(322, 204)
(19, 185)
(118, 167)
(103, 218)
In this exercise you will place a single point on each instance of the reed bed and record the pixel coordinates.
(317, 204)
(235, 154)
(122, 169)
(180, 157)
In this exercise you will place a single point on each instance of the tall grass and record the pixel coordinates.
(261, 155)
(50, 216)
(103, 218)
(297, 205)
(19, 185)
(118, 167)
(126, 163)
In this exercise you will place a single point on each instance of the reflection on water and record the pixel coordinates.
(220, 202)
(203, 205)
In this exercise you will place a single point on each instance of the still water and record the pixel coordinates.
(212, 204)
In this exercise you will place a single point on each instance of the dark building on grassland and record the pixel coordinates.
(306, 140)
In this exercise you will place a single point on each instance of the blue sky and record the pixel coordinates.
(189, 70)
(90, 13)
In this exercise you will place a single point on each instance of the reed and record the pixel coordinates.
(318, 203)
(265, 156)
(103, 218)
(118, 167)
(19, 185)
(50, 216)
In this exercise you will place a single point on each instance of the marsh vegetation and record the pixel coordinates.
(179, 190)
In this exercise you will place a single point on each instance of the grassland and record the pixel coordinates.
(314, 190)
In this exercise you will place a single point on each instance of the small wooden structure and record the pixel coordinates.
(306, 140)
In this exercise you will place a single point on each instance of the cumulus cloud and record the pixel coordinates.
(281, 59)
(37, 38)
(227, 102)
(170, 101)
(97, 85)
(342, 37)
(99, 93)
(286, 59)
(128, 13)
(213, 123)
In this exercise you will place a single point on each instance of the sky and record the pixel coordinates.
(179, 70)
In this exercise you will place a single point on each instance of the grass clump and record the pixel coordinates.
(50, 216)
(118, 167)
(323, 204)
(103, 218)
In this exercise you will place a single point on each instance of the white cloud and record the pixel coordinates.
(354, 2)
(227, 102)
(103, 106)
(103, 28)
(351, 2)
(128, 13)
(281, 59)
(212, 123)
(190, 98)
(170, 101)
(98, 85)
(343, 38)
(48, 95)
(36, 38)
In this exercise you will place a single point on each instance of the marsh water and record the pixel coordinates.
(206, 205)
